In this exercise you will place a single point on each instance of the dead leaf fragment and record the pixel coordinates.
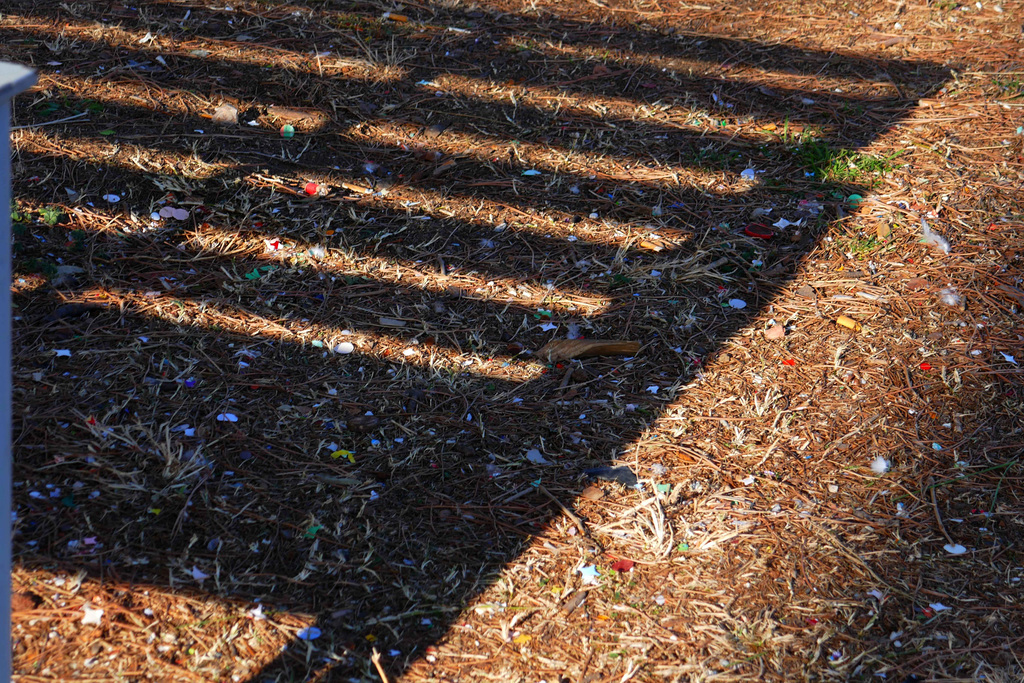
(226, 114)
(918, 283)
(567, 349)
(592, 493)
(362, 423)
(775, 332)
(806, 292)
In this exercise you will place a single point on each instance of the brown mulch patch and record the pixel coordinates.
(284, 272)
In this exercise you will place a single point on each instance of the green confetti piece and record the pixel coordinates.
(108, 131)
(311, 531)
(683, 547)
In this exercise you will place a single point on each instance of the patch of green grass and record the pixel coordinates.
(832, 165)
(1012, 87)
(861, 246)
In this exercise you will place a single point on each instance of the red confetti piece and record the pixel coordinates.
(312, 188)
(623, 565)
(926, 366)
(790, 362)
(761, 232)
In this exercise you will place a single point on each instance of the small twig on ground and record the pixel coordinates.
(375, 658)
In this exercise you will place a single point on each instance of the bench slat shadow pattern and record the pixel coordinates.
(453, 260)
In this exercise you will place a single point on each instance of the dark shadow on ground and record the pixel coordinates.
(388, 549)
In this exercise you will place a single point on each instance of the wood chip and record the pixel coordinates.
(567, 349)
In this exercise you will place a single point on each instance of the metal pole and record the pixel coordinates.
(13, 79)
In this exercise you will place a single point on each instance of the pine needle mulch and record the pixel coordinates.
(575, 341)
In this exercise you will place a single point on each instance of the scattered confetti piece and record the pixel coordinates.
(589, 574)
(308, 633)
(622, 566)
(535, 456)
(198, 574)
(879, 465)
(955, 549)
(92, 616)
(227, 417)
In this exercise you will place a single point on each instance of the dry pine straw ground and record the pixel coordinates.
(192, 441)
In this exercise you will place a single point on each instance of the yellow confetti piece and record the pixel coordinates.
(342, 453)
(371, 638)
(521, 639)
(603, 617)
(154, 511)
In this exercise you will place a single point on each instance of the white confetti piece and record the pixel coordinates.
(535, 456)
(547, 327)
(749, 481)
(92, 616)
(63, 353)
(112, 198)
(747, 174)
(344, 348)
(737, 303)
(198, 574)
(227, 417)
(938, 606)
(653, 389)
(1008, 358)
(955, 549)
(531, 172)
(589, 574)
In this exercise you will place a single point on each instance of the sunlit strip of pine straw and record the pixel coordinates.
(368, 69)
(369, 344)
(131, 157)
(221, 241)
(173, 616)
(541, 156)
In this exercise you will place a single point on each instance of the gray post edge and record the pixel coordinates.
(14, 78)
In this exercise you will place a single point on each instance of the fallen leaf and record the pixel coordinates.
(363, 423)
(226, 114)
(775, 332)
(592, 493)
(918, 283)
